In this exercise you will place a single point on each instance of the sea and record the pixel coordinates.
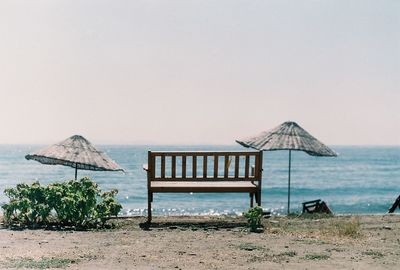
(361, 180)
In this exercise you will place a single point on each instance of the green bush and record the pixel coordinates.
(254, 216)
(78, 203)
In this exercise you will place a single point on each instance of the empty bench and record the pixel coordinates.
(202, 171)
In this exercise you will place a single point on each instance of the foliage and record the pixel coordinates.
(373, 253)
(78, 203)
(42, 263)
(315, 256)
(249, 247)
(27, 204)
(316, 216)
(254, 216)
(289, 253)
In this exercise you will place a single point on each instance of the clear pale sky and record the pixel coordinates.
(198, 72)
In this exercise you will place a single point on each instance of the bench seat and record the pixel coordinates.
(203, 186)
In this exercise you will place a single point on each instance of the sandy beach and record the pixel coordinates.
(342, 242)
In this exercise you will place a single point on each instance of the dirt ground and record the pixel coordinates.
(344, 242)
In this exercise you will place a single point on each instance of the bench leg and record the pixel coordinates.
(149, 200)
(258, 198)
(251, 199)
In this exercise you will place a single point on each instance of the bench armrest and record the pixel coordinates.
(145, 167)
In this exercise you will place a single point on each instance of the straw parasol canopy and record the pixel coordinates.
(75, 152)
(288, 136)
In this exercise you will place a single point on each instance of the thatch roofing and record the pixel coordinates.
(76, 152)
(287, 136)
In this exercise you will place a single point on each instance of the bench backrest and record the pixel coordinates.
(204, 166)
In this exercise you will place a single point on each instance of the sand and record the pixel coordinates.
(346, 242)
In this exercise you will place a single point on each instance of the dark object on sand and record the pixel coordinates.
(288, 136)
(316, 206)
(395, 205)
(75, 152)
(167, 172)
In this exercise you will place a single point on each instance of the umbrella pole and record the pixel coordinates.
(76, 170)
(288, 200)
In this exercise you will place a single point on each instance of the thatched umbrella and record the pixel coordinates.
(75, 152)
(288, 136)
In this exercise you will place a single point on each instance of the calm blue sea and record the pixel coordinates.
(361, 180)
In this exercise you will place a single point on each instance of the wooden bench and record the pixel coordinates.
(204, 172)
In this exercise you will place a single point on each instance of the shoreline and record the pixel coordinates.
(210, 242)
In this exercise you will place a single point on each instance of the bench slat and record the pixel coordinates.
(237, 158)
(194, 167)
(163, 166)
(202, 153)
(183, 166)
(247, 165)
(173, 167)
(196, 186)
(205, 166)
(257, 172)
(208, 179)
(226, 167)
(215, 166)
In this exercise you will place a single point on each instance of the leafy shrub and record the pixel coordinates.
(254, 216)
(27, 204)
(77, 203)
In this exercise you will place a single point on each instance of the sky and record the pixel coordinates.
(198, 71)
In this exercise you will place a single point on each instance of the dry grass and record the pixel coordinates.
(373, 253)
(344, 228)
(324, 226)
(316, 256)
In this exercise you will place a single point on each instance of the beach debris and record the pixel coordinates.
(395, 205)
(266, 214)
(316, 206)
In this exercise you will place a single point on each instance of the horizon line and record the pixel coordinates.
(190, 144)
